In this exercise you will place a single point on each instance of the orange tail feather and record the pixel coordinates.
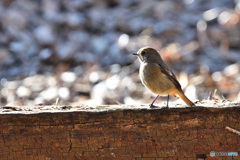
(185, 99)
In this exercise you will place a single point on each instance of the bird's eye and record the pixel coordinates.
(143, 53)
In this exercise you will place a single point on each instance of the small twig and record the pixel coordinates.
(210, 96)
(232, 130)
(214, 92)
(57, 102)
(118, 103)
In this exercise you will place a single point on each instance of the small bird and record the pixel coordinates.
(157, 77)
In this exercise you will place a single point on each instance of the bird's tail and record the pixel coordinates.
(185, 99)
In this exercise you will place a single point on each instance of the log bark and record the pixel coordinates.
(120, 133)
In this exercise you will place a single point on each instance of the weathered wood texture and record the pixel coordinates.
(186, 133)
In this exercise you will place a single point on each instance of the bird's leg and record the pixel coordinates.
(167, 101)
(151, 105)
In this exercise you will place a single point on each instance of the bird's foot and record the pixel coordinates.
(153, 106)
(167, 107)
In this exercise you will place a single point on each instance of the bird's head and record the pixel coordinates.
(148, 55)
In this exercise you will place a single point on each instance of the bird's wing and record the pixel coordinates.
(169, 74)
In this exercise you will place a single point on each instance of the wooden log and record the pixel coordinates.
(118, 132)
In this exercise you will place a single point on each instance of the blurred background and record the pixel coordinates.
(80, 51)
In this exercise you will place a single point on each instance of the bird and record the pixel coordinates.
(157, 77)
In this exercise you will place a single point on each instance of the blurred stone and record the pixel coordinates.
(49, 94)
(163, 26)
(69, 77)
(123, 40)
(211, 14)
(5, 57)
(64, 93)
(82, 88)
(17, 47)
(66, 50)
(164, 9)
(23, 92)
(113, 82)
(217, 76)
(228, 18)
(44, 34)
(14, 21)
(190, 18)
(51, 81)
(38, 100)
(94, 77)
(98, 92)
(36, 83)
(232, 70)
(85, 57)
(12, 85)
(136, 24)
(96, 17)
(78, 70)
(190, 92)
(115, 68)
(233, 55)
(128, 82)
(50, 8)
(14, 71)
(45, 53)
(114, 51)
(99, 45)
(75, 5)
(75, 19)
(79, 37)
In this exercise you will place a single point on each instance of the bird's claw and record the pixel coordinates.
(167, 107)
(153, 106)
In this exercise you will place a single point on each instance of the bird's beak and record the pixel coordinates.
(135, 54)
